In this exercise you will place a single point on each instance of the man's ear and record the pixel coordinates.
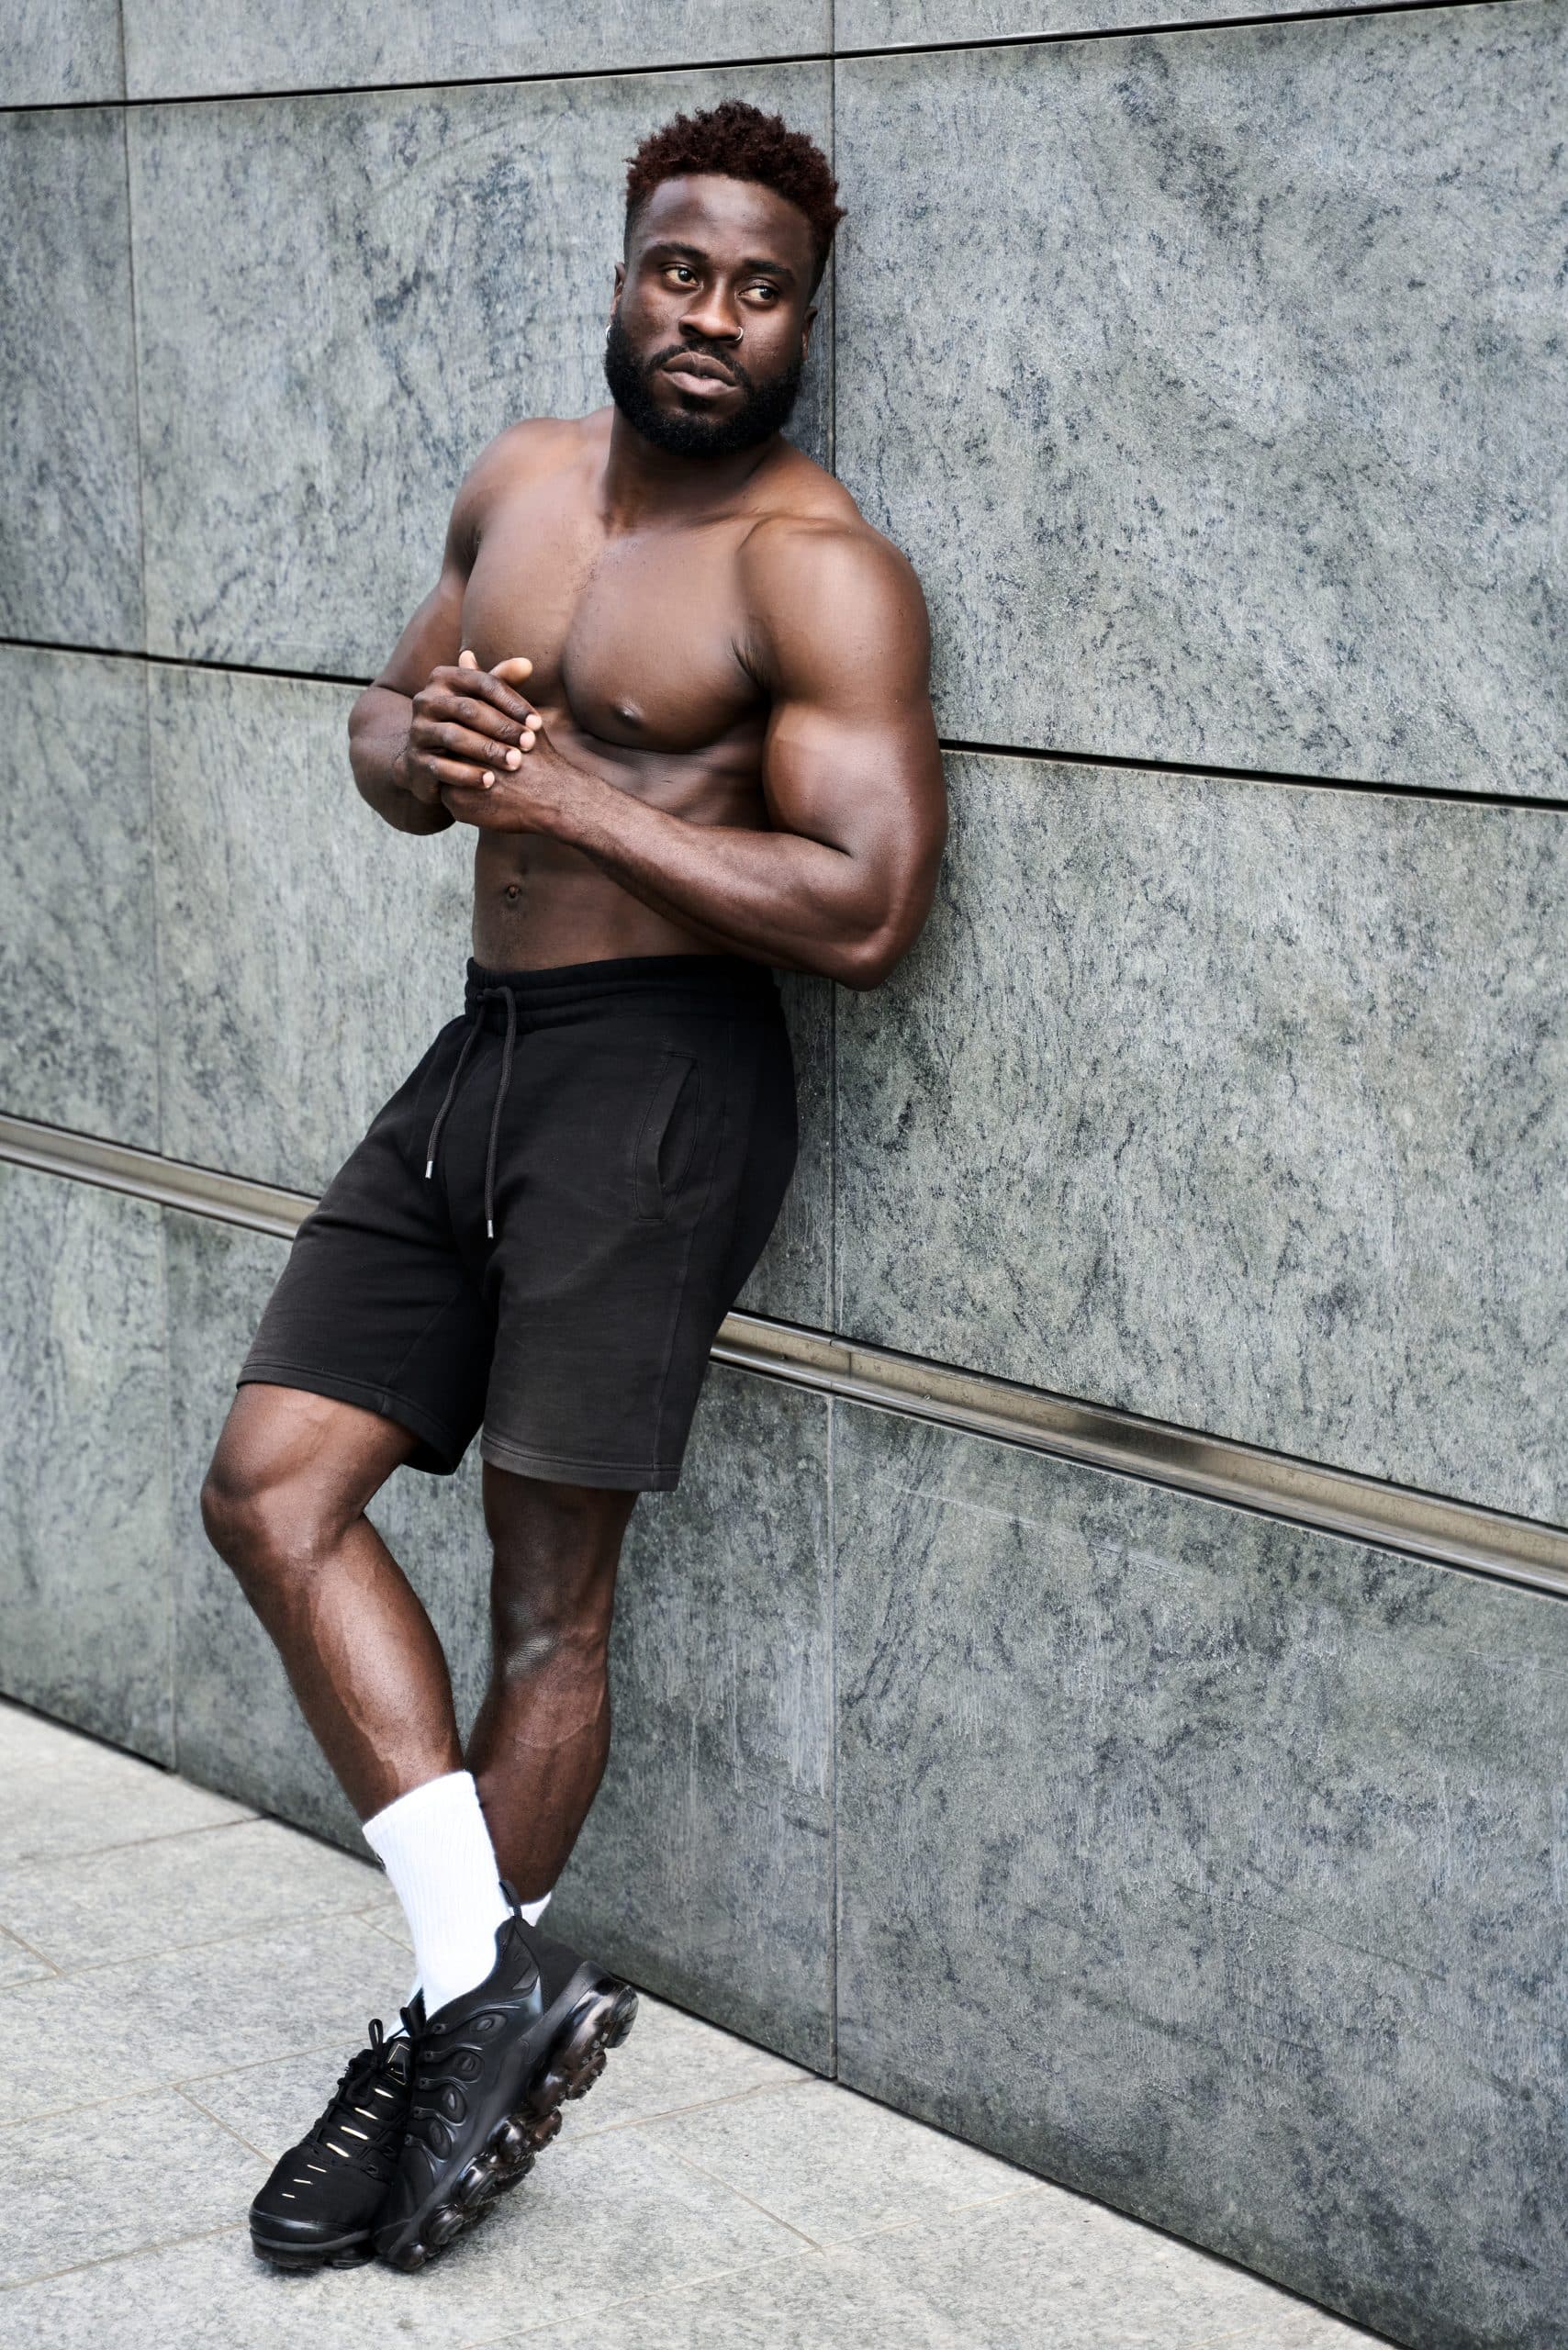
(807, 323)
(619, 288)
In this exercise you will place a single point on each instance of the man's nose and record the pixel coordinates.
(713, 318)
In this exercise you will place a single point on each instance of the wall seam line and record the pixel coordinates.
(1043, 40)
(952, 746)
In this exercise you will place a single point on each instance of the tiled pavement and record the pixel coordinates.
(181, 1982)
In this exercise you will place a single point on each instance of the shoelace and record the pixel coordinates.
(478, 1022)
(356, 2081)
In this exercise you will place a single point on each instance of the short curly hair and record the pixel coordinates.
(741, 143)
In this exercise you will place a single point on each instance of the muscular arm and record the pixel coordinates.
(851, 774)
(380, 720)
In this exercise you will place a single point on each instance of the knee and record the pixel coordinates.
(556, 1630)
(262, 1526)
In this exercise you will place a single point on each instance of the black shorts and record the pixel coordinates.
(615, 1141)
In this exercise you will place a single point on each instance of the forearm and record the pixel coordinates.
(378, 734)
(778, 897)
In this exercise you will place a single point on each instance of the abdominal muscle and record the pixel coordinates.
(539, 903)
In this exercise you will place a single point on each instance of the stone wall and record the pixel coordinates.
(1212, 377)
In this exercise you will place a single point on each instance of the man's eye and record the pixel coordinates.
(762, 286)
(679, 269)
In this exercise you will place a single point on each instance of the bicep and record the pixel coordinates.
(431, 639)
(851, 757)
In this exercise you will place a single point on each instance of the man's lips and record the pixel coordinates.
(697, 367)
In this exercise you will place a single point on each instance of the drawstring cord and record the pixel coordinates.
(500, 1096)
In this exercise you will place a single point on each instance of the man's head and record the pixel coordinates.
(730, 219)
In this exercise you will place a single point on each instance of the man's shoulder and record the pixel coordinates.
(534, 444)
(810, 535)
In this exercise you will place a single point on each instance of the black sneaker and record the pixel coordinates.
(317, 2206)
(491, 2072)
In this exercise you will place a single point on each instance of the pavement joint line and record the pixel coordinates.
(22, 1942)
(227, 2127)
(584, 2129)
(108, 2259)
(129, 1843)
(741, 2196)
(208, 1942)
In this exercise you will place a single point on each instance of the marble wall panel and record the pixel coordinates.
(705, 1868)
(1212, 1867)
(1237, 1105)
(69, 519)
(339, 300)
(84, 1588)
(174, 48)
(78, 998)
(1231, 437)
(240, 1729)
(887, 24)
(60, 53)
(309, 951)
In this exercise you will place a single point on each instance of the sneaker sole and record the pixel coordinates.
(342, 2251)
(600, 2012)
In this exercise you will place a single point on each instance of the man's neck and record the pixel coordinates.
(640, 483)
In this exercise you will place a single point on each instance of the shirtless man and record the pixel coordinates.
(724, 763)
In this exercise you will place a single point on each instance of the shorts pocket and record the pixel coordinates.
(668, 1136)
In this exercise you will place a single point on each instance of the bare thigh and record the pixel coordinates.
(329, 1457)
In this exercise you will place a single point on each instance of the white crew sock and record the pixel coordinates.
(530, 1910)
(436, 1849)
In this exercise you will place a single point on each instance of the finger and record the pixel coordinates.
(475, 684)
(448, 771)
(465, 660)
(481, 749)
(514, 671)
(441, 708)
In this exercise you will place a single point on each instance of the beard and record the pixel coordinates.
(763, 410)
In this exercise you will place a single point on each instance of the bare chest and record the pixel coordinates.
(632, 639)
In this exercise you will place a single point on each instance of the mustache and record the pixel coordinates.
(721, 359)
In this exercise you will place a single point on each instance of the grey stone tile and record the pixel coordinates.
(70, 523)
(78, 1002)
(134, 1901)
(174, 48)
(887, 24)
(240, 1728)
(836, 2166)
(83, 1507)
(158, 2022)
(18, 1964)
(87, 1798)
(60, 53)
(1207, 1865)
(650, 2223)
(1233, 1106)
(793, 1279)
(27, 1737)
(704, 1871)
(327, 339)
(149, 2170)
(676, 2064)
(1047, 2271)
(292, 1006)
(815, 2301)
(1289, 446)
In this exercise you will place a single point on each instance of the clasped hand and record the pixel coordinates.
(469, 736)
